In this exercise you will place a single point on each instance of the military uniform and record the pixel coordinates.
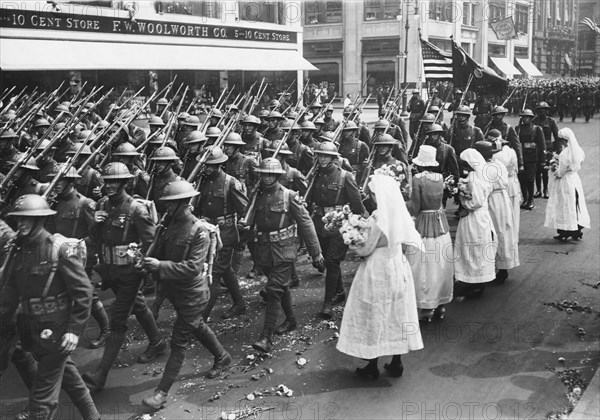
(416, 107)
(280, 216)
(532, 140)
(222, 201)
(574, 103)
(357, 154)
(587, 103)
(465, 137)
(273, 134)
(302, 157)
(549, 127)
(90, 180)
(242, 168)
(563, 103)
(333, 188)
(255, 144)
(139, 184)
(509, 134)
(482, 110)
(48, 279)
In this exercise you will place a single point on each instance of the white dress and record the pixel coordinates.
(476, 243)
(565, 209)
(380, 317)
(501, 212)
(509, 157)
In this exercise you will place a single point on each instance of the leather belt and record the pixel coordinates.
(48, 305)
(322, 211)
(277, 235)
(228, 220)
(116, 255)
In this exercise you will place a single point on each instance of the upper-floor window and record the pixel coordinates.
(522, 18)
(211, 9)
(322, 11)
(497, 10)
(467, 12)
(263, 11)
(442, 10)
(387, 46)
(381, 9)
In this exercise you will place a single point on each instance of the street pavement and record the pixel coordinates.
(498, 357)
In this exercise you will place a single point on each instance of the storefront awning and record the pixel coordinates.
(505, 66)
(529, 67)
(35, 54)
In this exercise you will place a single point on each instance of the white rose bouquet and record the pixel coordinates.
(333, 219)
(134, 253)
(553, 164)
(463, 188)
(451, 186)
(399, 174)
(354, 228)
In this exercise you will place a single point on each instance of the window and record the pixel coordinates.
(210, 9)
(468, 14)
(323, 49)
(441, 10)
(497, 50)
(521, 52)
(497, 10)
(443, 44)
(587, 40)
(321, 11)
(467, 47)
(381, 9)
(539, 10)
(262, 11)
(521, 18)
(390, 46)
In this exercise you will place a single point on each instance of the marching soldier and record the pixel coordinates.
(302, 157)
(9, 155)
(194, 146)
(587, 103)
(238, 165)
(482, 110)
(308, 128)
(351, 113)
(354, 150)
(221, 201)
(74, 219)
(550, 129)
(330, 123)
(333, 188)
(274, 131)
(139, 183)
(163, 160)
(416, 107)
(532, 140)
(445, 155)
(254, 143)
(563, 103)
(383, 127)
(181, 253)
(508, 132)
(46, 164)
(464, 135)
(573, 104)
(47, 278)
(384, 147)
(89, 184)
(212, 134)
(426, 122)
(119, 221)
(280, 217)
(162, 111)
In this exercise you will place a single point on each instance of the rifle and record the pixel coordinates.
(63, 169)
(301, 96)
(13, 101)
(210, 113)
(132, 97)
(194, 100)
(248, 218)
(6, 93)
(162, 114)
(258, 96)
(418, 132)
(219, 105)
(10, 249)
(489, 125)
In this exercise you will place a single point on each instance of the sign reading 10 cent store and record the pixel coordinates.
(27, 19)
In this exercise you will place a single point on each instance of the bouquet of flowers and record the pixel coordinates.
(354, 228)
(463, 188)
(553, 163)
(451, 186)
(399, 174)
(134, 252)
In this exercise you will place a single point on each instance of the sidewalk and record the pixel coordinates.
(588, 407)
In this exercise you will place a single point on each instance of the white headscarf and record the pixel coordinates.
(475, 161)
(573, 153)
(393, 218)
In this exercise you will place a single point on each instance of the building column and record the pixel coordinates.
(352, 77)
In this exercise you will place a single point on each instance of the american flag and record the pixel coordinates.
(437, 63)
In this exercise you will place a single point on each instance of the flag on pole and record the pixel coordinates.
(485, 80)
(505, 28)
(591, 24)
(436, 63)
(548, 14)
(557, 11)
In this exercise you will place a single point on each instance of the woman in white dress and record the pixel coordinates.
(566, 210)
(432, 266)
(476, 242)
(500, 208)
(380, 317)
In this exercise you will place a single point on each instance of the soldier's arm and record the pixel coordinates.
(353, 195)
(306, 160)
(238, 198)
(515, 143)
(541, 144)
(478, 134)
(193, 263)
(554, 129)
(79, 288)
(87, 211)
(144, 225)
(453, 163)
(306, 228)
(143, 184)
(299, 183)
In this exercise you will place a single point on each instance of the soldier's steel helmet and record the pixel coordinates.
(125, 149)
(381, 124)
(31, 205)
(192, 121)
(213, 132)
(70, 174)
(350, 125)
(178, 190)
(428, 118)
(216, 156)
(284, 150)
(435, 128)
(196, 136)
(164, 153)
(270, 166)
(234, 139)
(116, 170)
(463, 109)
(327, 148)
(385, 140)
(526, 113)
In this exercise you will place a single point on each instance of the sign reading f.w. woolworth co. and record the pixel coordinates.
(28, 19)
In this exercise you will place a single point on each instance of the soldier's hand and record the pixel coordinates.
(242, 227)
(97, 192)
(69, 343)
(319, 262)
(151, 264)
(100, 216)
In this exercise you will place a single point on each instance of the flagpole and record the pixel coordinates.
(404, 113)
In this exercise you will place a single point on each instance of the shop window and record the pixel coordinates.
(321, 11)
(497, 50)
(443, 44)
(442, 10)
(521, 52)
(382, 74)
(381, 9)
(262, 11)
(210, 9)
(381, 46)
